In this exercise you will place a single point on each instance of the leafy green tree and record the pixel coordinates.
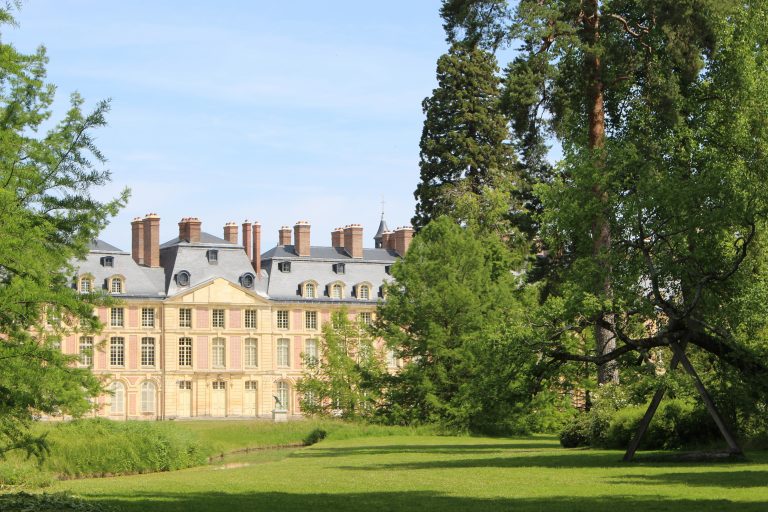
(654, 218)
(468, 166)
(47, 219)
(456, 316)
(344, 378)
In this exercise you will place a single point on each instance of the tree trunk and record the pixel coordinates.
(605, 339)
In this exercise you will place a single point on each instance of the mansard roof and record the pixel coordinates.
(283, 252)
(143, 282)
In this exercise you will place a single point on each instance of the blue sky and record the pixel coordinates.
(270, 111)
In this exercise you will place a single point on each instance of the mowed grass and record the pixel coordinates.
(425, 473)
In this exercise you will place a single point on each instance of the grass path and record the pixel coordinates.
(438, 473)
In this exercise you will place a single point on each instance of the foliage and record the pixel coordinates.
(468, 168)
(457, 318)
(344, 381)
(47, 219)
(654, 218)
(58, 502)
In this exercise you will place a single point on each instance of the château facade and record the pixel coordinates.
(213, 327)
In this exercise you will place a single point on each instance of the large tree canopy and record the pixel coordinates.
(654, 219)
(47, 219)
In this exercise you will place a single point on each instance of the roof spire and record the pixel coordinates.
(382, 228)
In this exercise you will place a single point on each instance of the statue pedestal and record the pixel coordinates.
(279, 415)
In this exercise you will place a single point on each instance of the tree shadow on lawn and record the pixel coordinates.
(724, 479)
(416, 501)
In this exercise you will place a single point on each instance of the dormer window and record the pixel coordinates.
(213, 256)
(116, 285)
(339, 268)
(284, 266)
(336, 291)
(108, 261)
(309, 290)
(86, 284)
(182, 278)
(363, 292)
(247, 280)
(388, 270)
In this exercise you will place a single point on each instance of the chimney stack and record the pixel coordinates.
(189, 229)
(301, 238)
(257, 248)
(401, 239)
(152, 240)
(230, 232)
(353, 240)
(284, 236)
(137, 240)
(337, 238)
(247, 238)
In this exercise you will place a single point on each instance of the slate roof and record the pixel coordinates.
(382, 229)
(140, 281)
(232, 263)
(284, 286)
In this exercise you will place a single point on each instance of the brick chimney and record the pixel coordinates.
(189, 229)
(230, 232)
(152, 240)
(337, 238)
(386, 240)
(353, 240)
(284, 236)
(247, 238)
(257, 249)
(401, 239)
(137, 240)
(301, 238)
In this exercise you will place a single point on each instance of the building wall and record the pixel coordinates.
(205, 389)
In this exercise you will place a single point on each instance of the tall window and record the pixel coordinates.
(336, 291)
(86, 350)
(185, 351)
(116, 316)
(251, 352)
(310, 351)
(217, 319)
(147, 317)
(250, 318)
(310, 320)
(117, 351)
(219, 353)
(392, 358)
(118, 398)
(185, 317)
(148, 395)
(365, 318)
(282, 319)
(85, 285)
(283, 393)
(309, 291)
(283, 352)
(365, 292)
(117, 285)
(147, 351)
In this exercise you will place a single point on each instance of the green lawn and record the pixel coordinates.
(424, 473)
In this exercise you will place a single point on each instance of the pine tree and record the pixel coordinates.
(47, 219)
(468, 169)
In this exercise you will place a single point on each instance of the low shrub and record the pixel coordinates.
(315, 436)
(58, 502)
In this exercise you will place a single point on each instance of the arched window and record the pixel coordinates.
(116, 285)
(86, 284)
(118, 398)
(283, 395)
(309, 290)
(337, 292)
(364, 292)
(148, 396)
